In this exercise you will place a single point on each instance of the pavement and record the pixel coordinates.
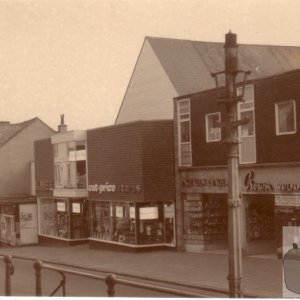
(262, 274)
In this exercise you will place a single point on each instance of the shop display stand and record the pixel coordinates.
(205, 220)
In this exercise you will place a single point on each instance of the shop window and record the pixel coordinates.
(213, 129)
(260, 219)
(133, 224)
(285, 113)
(79, 219)
(47, 217)
(113, 221)
(247, 147)
(184, 132)
(206, 215)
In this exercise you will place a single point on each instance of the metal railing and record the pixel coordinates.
(110, 280)
(9, 271)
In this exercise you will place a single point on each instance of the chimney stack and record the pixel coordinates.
(62, 127)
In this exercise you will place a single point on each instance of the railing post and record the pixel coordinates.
(110, 281)
(9, 270)
(38, 280)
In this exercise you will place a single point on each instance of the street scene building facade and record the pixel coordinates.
(17, 193)
(131, 185)
(269, 165)
(62, 187)
(129, 196)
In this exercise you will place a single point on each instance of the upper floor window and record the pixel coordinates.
(184, 132)
(70, 165)
(285, 113)
(213, 129)
(247, 147)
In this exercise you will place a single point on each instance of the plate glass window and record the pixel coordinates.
(213, 129)
(285, 117)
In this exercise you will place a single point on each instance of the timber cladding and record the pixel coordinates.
(132, 161)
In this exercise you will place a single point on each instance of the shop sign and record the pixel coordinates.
(148, 213)
(253, 186)
(288, 187)
(204, 182)
(285, 200)
(113, 188)
(61, 206)
(76, 208)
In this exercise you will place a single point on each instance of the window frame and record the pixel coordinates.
(249, 107)
(277, 118)
(206, 127)
(179, 121)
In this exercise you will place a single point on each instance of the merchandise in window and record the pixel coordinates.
(205, 214)
(116, 221)
(285, 117)
(213, 129)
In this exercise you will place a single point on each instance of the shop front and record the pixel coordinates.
(270, 197)
(132, 224)
(63, 219)
(18, 219)
(204, 209)
(131, 186)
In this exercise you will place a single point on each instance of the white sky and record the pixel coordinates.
(76, 57)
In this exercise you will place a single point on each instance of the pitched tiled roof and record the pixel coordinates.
(8, 130)
(188, 64)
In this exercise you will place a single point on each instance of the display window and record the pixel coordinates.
(205, 214)
(260, 218)
(63, 218)
(132, 223)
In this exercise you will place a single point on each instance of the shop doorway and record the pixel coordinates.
(260, 224)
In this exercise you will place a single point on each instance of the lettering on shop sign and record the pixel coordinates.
(113, 188)
(251, 185)
(204, 182)
(288, 187)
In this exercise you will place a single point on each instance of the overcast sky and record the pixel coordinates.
(76, 57)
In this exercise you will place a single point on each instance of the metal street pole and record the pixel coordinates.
(231, 125)
(234, 201)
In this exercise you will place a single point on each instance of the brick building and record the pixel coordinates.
(269, 165)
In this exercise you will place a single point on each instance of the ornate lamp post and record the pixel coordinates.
(231, 124)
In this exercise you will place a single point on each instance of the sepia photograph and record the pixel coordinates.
(150, 148)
